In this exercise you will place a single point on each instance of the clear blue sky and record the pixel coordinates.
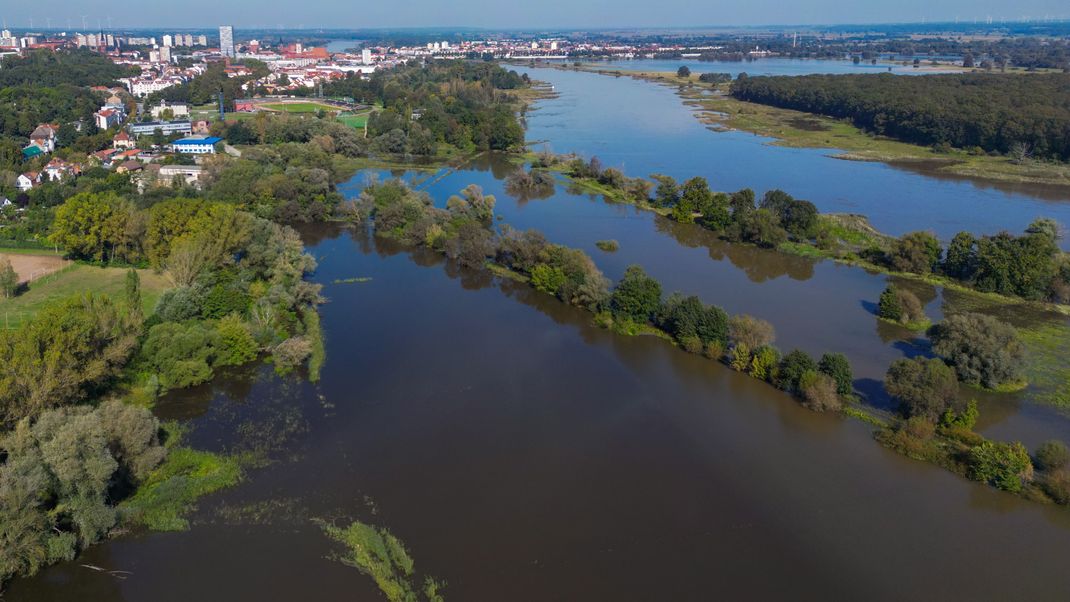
(514, 14)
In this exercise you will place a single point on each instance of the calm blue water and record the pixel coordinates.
(644, 128)
(769, 66)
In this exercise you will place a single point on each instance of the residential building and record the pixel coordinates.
(226, 41)
(108, 118)
(58, 170)
(196, 146)
(366, 56)
(178, 110)
(27, 180)
(122, 140)
(165, 127)
(202, 40)
(191, 174)
(44, 136)
(168, 40)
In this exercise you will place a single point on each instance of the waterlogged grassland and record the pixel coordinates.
(806, 130)
(377, 553)
(1048, 370)
(171, 491)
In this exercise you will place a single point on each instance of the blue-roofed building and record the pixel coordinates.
(196, 146)
(32, 151)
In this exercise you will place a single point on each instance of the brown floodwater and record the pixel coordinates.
(523, 454)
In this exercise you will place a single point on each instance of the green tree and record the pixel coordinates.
(925, 387)
(1003, 465)
(792, 368)
(983, 350)
(837, 366)
(961, 260)
(889, 306)
(62, 355)
(637, 296)
(9, 279)
(683, 71)
(915, 252)
(95, 226)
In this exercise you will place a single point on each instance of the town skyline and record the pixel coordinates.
(554, 14)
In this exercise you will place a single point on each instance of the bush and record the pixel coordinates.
(608, 246)
(1052, 455)
(181, 355)
(236, 343)
(548, 279)
(180, 304)
(818, 391)
(901, 306)
(750, 331)
(983, 350)
(966, 419)
(691, 344)
(837, 366)
(765, 362)
(1003, 465)
(290, 353)
(925, 387)
(1057, 486)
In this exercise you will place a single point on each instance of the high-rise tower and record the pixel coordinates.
(226, 40)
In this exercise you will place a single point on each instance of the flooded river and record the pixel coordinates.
(523, 454)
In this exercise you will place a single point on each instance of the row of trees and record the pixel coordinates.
(1030, 265)
(977, 349)
(463, 232)
(994, 113)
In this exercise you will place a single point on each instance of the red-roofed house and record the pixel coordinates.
(107, 118)
(123, 140)
(58, 169)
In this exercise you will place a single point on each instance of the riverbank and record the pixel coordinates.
(719, 111)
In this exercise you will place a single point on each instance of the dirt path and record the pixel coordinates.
(32, 267)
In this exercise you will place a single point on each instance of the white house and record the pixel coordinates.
(107, 118)
(57, 170)
(179, 110)
(28, 180)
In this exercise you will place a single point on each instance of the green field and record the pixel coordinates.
(76, 279)
(298, 107)
(354, 120)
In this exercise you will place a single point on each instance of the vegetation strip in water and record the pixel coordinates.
(170, 491)
(376, 552)
(935, 425)
(1030, 267)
